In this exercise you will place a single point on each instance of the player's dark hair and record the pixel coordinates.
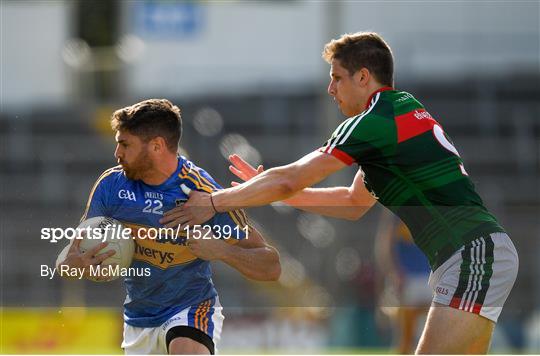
(149, 119)
(363, 50)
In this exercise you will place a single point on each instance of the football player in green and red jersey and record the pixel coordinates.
(409, 165)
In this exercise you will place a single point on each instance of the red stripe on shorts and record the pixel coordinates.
(455, 302)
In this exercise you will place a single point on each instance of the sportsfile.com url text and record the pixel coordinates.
(114, 232)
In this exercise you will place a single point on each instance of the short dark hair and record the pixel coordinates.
(363, 50)
(149, 119)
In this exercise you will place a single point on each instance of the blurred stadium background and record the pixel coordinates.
(250, 80)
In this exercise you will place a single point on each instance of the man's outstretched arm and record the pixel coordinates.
(349, 203)
(279, 183)
(272, 185)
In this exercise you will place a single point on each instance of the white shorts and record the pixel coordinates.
(478, 278)
(205, 317)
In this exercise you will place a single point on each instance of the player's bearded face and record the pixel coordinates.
(139, 165)
(132, 154)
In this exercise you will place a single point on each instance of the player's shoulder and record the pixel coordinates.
(385, 107)
(377, 117)
(196, 177)
(111, 175)
(401, 102)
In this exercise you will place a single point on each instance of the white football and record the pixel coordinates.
(102, 228)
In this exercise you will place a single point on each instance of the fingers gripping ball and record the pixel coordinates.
(101, 228)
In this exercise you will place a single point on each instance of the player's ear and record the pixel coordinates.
(361, 76)
(158, 144)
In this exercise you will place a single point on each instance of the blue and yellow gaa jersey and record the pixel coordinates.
(178, 279)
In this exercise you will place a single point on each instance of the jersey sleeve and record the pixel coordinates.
(97, 200)
(361, 139)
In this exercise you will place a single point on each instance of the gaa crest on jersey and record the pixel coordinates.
(126, 194)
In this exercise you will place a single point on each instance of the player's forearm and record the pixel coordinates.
(260, 264)
(278, 183)
(338, 202)
(272, 185)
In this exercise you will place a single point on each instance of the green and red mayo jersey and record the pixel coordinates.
(412, 168)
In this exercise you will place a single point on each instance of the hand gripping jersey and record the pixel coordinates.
(178, 279)
(412, 168)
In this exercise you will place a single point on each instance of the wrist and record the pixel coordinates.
(216, 198)
(213, 204)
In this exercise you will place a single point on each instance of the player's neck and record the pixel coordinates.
(164, 168)
(372, 89)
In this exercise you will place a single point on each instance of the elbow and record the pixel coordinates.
(270, 275)
(351, 217)
(272, 272)
(287, 184)
(275, 272)
(358, 206)
(355, 213)
(276, 266)
(287, 187)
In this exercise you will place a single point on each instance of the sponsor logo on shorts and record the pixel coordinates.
(443, 291)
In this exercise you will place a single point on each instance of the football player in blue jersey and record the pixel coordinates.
(175, 309)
